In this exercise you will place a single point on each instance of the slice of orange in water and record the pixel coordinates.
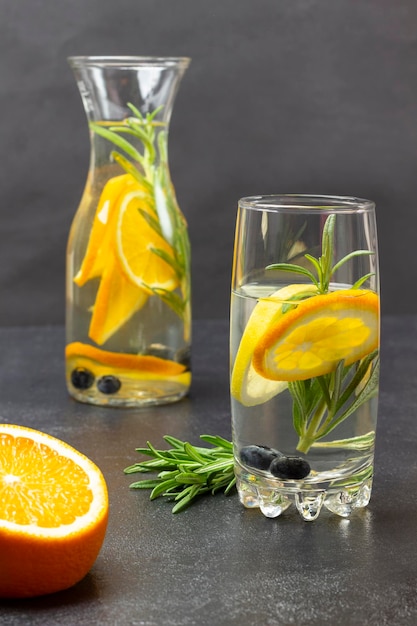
(121, 252)
(142, 367)
(53, 513)
(136, 241)
(246, 385)
(116, 301)
(310, 340)
(99, 241)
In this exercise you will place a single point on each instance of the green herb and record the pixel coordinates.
(361, 442)
(150, 168)
(324, 269)
(186, 472)
(322, 403)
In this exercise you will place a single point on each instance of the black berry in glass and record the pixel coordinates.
(259, 457)
(109, 384)
(290, 467)
(81, 378)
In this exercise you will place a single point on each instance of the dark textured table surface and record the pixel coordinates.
(218, 563)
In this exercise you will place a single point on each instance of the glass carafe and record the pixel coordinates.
(128, 312)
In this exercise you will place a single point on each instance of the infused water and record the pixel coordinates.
(128, 310)
(335, 470)
(304, 348)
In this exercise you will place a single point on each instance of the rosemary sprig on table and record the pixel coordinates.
(186, 472)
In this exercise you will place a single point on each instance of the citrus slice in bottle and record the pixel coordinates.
(141, 249)
(311, 339)
(139, 366)
(116, 301)
(53, 513)
(94, 260)
(246, 385)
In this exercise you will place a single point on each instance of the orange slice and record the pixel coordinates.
(135, 240)
(142, 367)
(100, 237)
(53, 513)
(116, 301)
(246, 385)
(310, 340)
(120, 251)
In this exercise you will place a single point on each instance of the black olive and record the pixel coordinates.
(259, 457)
(109, 384)
(81, 378)
(290, 467)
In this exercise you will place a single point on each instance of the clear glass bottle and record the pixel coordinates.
(128, 310)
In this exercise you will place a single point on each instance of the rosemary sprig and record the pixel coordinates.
(185, 472)
(322, 403)
(150, 168)
(323, 266)
(360, 442)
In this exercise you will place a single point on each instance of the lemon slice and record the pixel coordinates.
(247, 386)
(310, 340)
(136, 242)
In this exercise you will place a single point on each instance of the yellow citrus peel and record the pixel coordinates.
(247, 386)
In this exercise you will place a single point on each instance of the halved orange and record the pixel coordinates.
(53, 513)
(136, 241)
(310, 340)
(138, 366)
(246, 385)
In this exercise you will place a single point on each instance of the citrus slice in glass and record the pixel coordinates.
(142, 251)
(94, 260)
(139, 366)
(311, 339)
(116, 301)
(53, 513)
(246, 385)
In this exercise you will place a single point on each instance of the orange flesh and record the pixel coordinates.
(321, 331)
(27, 468)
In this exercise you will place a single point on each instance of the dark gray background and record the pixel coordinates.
(291, 96)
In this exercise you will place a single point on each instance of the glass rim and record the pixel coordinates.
(306, 203)
(128, 62)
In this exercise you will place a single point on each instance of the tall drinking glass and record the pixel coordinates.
(305, 353)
